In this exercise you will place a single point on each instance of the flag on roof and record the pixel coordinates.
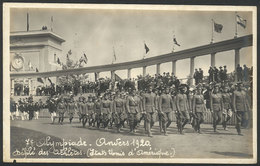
(146, 48)
(218, 27)
(175, 41)
(241, 21)
(58, 61)
(39, 79)
(85, 58)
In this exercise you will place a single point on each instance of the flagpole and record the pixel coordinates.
(28, 27)
(173, 48)
(52, 23)
(212, 32)
(113, 55)
(144, 51)
(236, 25)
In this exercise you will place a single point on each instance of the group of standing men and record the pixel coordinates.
(186, 104)
(26, 108)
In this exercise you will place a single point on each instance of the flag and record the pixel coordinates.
(241, 21)
(27, 21)
(50, 80)
(29, 64)
(69, 52)
(58, 61)
(175, 41)
(117, 78)
(114, 55)
(39, 79)
(218, 27)
(86, 58)
(81, 60)
(146, 48)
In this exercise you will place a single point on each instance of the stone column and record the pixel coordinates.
(129, 73)
(45, 83)
(144, 71)
(30, 85)
(113, 75)
(213, 59)
(174, 66)
(158, 68)
(12, 87)
(96, 76)
(237, 61)
(191, 69)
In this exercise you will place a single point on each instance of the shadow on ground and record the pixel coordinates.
(233, 154)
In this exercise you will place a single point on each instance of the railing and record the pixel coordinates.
(226, 45)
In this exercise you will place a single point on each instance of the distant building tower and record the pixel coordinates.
(34, 49)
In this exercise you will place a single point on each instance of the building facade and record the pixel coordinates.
(34, 51)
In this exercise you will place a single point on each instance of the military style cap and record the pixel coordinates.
(182, 86)
(238, 83)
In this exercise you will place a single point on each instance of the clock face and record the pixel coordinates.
(18, 62)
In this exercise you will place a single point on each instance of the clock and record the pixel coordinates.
(17, 62)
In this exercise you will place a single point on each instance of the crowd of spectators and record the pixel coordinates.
(216, 75)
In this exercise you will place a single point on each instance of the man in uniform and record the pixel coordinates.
(91, 115)
(12, 108)
(165, 109)
(61, 108)
(149, 105)
(182, 108)
(216, 106)
(97, 110)
(106, 109)
(240, 107)
(119, 110)
(31, 109)
(211, 74)
(198, 108)
(83, 107)
(227, 113)
(239, 72)
(133, 108)
(71, 108)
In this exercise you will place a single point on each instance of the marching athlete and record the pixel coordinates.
(216, 106)
(165, 109)
(91, 115)
(71, 108)
(61, 108)
(119, 111)
(97, 111)
(182, 108)
(227, 113)
(240, 107)
(198, 109)
(149, 105)
(133, 108)
(106, 109)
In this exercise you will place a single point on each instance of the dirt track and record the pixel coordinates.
(223, 144)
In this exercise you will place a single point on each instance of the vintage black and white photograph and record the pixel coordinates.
(129, 83)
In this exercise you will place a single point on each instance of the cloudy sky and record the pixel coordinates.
(96, 32)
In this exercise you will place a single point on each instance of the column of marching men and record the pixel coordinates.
(131, 107)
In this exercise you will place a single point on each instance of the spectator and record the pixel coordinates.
(200, 75)
(239, 71)
(211, 74)
(216, 74)
(196, 76)
(246, 73)
(225, 73)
